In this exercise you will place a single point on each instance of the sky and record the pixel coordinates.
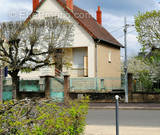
(113, 13)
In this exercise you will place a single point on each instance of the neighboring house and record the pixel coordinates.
(94, 53)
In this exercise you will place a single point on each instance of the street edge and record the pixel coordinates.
(127, 108)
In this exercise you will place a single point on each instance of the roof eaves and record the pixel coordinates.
(108, 42)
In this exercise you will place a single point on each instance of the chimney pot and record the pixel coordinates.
(69, 4)
(99, 15)
(35, 4)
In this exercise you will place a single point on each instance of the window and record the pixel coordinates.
(78, 57)
(109, 56)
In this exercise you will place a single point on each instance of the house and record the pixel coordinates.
(95, 53)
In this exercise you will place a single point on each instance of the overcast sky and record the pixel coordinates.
(113, 15)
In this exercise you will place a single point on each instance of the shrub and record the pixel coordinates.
(43, 117)
(156, 90)
(145, 80)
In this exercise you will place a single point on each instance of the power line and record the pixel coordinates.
(108, 26)
(132, 31)
(127, 33)
(116, 30)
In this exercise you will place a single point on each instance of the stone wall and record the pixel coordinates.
(31, 95)
(141, 97)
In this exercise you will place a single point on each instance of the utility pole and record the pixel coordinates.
(126, 59)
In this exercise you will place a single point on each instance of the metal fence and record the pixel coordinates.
(56, 84)
(24, 86)
(95, 84)
(84, 84)
(153, 86)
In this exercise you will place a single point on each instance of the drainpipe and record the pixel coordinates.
(96, 63)
(96, 59)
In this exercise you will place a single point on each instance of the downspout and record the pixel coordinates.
(96, 62)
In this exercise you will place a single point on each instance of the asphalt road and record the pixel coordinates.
(135, 118)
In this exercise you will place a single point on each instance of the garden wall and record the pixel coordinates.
(141, 97)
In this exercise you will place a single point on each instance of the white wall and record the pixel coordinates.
(81, 37)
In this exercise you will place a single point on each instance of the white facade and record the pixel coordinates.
(81, 37)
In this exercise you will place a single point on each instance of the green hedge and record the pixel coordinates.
(43, 117)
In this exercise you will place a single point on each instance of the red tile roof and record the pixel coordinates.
(98, 32)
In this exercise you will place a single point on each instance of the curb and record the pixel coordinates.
(127, 108)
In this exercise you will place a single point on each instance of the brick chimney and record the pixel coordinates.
(69, 4)
(35, 4)
(99, 15)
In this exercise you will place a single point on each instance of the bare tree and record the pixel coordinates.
(28, 46)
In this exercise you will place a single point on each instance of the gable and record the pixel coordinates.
(53, 8)
(96, 31)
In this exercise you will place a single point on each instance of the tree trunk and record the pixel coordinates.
(15, 84)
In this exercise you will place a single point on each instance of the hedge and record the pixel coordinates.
(42, 117)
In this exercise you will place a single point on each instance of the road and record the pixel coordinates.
(102, 122)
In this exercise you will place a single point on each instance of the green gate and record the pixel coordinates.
(57, 89)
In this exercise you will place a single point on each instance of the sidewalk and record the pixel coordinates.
(124, 130)
(129, 106)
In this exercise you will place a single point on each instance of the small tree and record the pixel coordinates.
(28, 46)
